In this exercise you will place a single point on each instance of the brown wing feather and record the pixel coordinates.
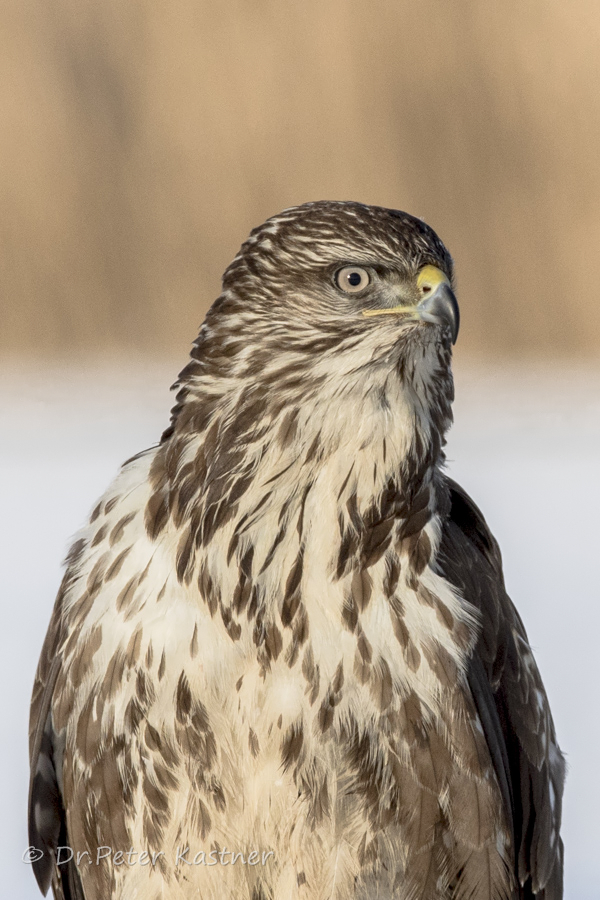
(47, 820)
(510, 699)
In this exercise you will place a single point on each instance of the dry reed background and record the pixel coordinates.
(141, 141)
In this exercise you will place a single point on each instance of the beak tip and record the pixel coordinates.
(441, 308)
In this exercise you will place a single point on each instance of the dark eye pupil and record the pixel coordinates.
(354, 278)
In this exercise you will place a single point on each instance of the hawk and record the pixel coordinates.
(282, 662)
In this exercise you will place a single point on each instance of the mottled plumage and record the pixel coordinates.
(284, 628)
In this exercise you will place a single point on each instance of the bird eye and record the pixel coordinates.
(352, 279)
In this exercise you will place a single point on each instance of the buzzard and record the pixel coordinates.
(282, 662)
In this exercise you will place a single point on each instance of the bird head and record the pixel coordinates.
(341, 309)
(332, 338)
(347, 269)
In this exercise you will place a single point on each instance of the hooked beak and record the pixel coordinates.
(441, 308)
(438, 306)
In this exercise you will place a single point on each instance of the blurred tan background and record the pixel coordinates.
(140, 141)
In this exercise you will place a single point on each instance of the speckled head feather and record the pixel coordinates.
(284, 631)
(283, 274)
(286, 334)
(305, 239)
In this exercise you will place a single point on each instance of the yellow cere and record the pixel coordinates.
(431, 276)
(428, 277)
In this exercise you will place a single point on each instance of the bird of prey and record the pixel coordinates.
(282, 664)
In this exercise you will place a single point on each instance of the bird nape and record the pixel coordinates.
(282, 662)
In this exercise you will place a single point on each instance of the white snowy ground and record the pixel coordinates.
(525, 444)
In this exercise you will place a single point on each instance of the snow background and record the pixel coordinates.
(524, 444)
